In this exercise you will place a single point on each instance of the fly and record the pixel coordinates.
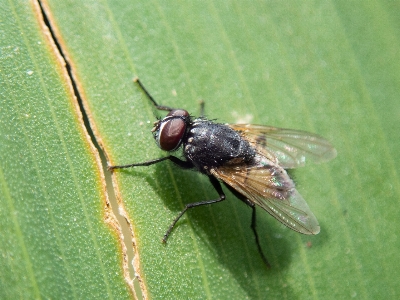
(251, 160)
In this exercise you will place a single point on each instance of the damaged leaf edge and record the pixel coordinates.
(109, 216)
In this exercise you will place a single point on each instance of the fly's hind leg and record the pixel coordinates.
(253, 222)
(253, 227)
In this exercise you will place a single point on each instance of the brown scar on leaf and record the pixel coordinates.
(135, 259)
(41, 7)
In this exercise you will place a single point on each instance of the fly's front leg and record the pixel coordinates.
(202, 108)
(180, 163)
(160, 107)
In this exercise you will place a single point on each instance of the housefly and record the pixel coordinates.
(251, 160)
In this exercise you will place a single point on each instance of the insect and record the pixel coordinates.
(250, 160)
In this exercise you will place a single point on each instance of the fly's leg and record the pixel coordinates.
(181, 163)
(253, 222)
(202, 108)
(254, 228)
(185, 165)
(217, 187)
(160, 107)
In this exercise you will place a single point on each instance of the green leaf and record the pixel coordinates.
(329, 67)
(54, 241)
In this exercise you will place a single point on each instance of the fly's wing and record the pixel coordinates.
(269, 186)
(289, 148)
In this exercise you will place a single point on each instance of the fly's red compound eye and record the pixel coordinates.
(178, 113)
(172, 130)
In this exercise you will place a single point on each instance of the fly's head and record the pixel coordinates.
(169, 131)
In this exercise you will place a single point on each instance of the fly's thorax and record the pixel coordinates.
(208, 144)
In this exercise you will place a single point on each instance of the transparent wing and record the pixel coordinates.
(289, 148)
(269, 186)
